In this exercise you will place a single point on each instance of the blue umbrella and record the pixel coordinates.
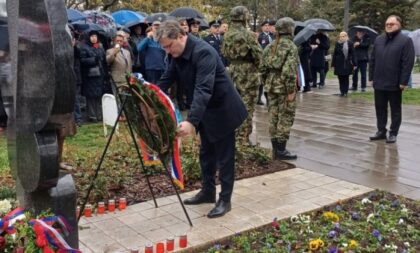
(124, 17)
(75, 15)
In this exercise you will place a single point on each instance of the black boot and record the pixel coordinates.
(266, 97)
(274, 145)
(282, 154)
(260, 93)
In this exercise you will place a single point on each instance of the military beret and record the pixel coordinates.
(265, 22)
(214, 23)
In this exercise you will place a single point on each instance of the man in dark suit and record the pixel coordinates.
(391, 63)
(216, 110)
(215, 39)
(361, 45)
(264, 38)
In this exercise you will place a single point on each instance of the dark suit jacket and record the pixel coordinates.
(264, 39)
(216, 109)
(216, 44)
(361, 52)
(391, 61)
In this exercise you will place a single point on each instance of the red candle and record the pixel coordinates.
(160, 247)
(183, 241)
(170, 245)
(111, 205)
(122, 204)
(148, 248)
(134, 250)
(88, 210)
(101, 207)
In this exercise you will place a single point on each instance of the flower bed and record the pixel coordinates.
(376, 222)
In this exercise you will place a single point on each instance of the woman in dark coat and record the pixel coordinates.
(94, 73)
(342, 62)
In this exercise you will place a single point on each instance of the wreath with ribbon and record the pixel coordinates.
(154, 118)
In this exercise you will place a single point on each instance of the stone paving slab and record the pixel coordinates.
(255, 202)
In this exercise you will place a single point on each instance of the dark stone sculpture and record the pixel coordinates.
(42, 87)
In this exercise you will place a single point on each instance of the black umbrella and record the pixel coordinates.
(186, 12)
(160, 16)
(304, 34)
(369, 31)
(320, 24)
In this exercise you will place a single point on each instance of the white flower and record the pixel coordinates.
(294, 219)
(5, 206)
(392, 246)
(345, 245)
(401, 221)
(407, 244)
(404, 210)
(366, 201)
(370, 216)
(305, 219)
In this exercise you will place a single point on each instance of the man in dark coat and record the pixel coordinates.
(320, 44)
(264, 38)
(391, 63)
(216, 110)
(361, 44)
(215, 39)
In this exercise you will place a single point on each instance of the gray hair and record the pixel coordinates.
(169, 29)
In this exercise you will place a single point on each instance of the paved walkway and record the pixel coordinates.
(256, 201)
(336, 161)
(331, 136)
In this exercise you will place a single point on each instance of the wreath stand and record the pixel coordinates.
(123, 97)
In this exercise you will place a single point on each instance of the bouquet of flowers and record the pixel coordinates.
(21, 232)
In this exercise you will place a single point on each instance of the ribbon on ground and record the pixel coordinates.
(6, 224)
(54, 238)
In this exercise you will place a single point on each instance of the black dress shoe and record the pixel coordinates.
(260, 102)
(378, 136)
(221, 208)
(200, 198)
(391, 138)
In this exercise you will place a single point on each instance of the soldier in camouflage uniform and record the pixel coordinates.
(241, 48)
(279, 70)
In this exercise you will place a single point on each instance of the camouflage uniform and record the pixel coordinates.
(279, 70)
(241, 48)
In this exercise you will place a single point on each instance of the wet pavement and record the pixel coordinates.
(331, 136)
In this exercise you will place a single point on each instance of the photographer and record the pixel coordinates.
(154, 54)
(119, 60)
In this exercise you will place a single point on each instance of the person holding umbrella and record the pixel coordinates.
(342, 62)
(361, 44)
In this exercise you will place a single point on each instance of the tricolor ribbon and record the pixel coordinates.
(54, 238)
(6, 224)
(175, 164)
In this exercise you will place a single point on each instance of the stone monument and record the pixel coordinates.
(42, 86)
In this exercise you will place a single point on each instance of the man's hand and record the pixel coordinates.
(356, 44)
(403, 87)
(185, 128)
(371, 83)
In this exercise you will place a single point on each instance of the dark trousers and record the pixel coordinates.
(321, 71)
(218, 155)
(152, 76)
(3, 114)
(382, 98)
(361, 66)
(344, 84)
(77, 110)
(94, 108)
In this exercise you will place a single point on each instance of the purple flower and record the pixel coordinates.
(338, 208)
(217, 247)
(332, 249)
(332, 234)
(395, 203)
(355, 216)
(377, 234)
(337, 226)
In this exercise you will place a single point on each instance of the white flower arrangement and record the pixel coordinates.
(5, 206)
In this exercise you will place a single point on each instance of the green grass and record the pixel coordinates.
(4, 161)
(410, 96)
